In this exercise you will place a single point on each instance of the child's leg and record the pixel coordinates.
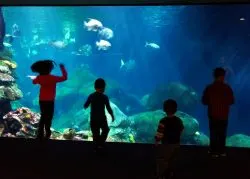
(171, 159)
(165, 159)
(49, 118)
(95, 129)
(40, 131)
(222, 134)
(213, 136)
(160, 161)
(105, 131)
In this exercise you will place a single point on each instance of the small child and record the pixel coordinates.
(168, 133)
(47, 95)
(98, 119)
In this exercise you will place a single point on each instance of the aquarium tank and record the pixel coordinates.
(146, 54)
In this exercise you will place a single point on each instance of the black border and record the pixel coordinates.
(115, 2)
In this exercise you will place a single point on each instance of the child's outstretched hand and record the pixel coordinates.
(31, 77)
(61, 65)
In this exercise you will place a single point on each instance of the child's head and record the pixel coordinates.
(170, 107)
(43, 67)
(100, 85)
(219, 74)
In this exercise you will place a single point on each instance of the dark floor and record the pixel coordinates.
(74, 160)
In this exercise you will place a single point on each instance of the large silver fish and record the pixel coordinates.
(106, 33)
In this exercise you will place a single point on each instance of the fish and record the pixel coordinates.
(41, 42)
(6, 44)
(28, 94)
(31, 77)
(68, 38)
(8, 35)
(35, 37)
(103, 45)
(58, 44)
(15, 30)
(106, 33)
(76, 53)
(8, 40)
(72, 40)
(67, 34)
(128, 65)
(122, 64)
(92, 25)
(152, 45)
(34, 52)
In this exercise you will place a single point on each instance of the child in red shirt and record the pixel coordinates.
(47, 95)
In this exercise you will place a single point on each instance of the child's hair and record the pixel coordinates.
(43, 67)
(100, 83)
(218, 72)
(170, 106)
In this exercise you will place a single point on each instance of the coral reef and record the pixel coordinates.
(20, 123)
(139, 128)
(9, 90)
(10, 93)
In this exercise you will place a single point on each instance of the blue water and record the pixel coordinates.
(192, 41)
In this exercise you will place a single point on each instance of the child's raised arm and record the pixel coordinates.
(64, 76)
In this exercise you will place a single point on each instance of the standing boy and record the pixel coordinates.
(218, 96)
(98, 120)
(169, 134)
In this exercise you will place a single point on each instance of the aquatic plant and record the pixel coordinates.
(131, 138)
(69, 134)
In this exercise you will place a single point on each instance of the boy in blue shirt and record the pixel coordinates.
(98, 120)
